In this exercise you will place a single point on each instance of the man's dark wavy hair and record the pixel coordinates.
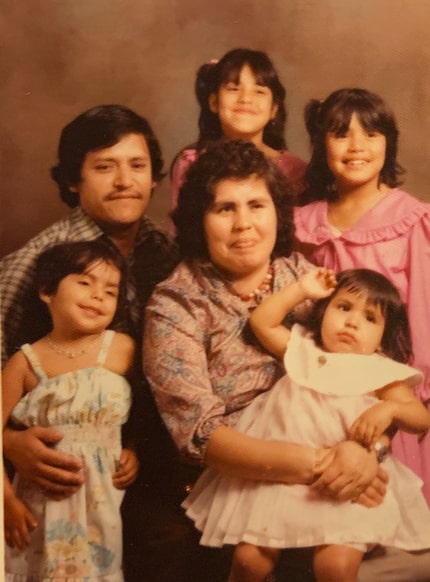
(229, 160)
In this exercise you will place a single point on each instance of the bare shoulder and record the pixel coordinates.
(18, 375)
(121, 353)
(16, 364)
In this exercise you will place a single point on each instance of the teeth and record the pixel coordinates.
(356, 162)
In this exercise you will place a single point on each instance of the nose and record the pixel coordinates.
(242, 219)
(123, 178)
(97, 293)
(244, 95)
(356, 142)
(352, 319)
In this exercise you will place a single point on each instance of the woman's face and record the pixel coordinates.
(244, 108)
(241, 227)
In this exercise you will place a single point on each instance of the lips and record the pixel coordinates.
(244, 111)
(91, 311)
(355, 163)
(123, 196)
(346, 337)
(244, 243)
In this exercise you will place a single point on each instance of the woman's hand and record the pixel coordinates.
(128, 469)
(375, 493)
(58, 474)
(18, 523)
(348, 474)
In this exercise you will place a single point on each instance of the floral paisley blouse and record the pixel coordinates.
(201, 358)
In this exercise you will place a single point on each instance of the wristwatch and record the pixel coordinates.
(381, 451)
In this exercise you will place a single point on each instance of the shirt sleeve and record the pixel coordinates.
(176, 366)
(418, 301)
(17, 274)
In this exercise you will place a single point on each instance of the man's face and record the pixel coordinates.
(116, 183)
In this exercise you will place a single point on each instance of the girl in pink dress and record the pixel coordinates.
(347, 378)
(358, 217)
(241, 97)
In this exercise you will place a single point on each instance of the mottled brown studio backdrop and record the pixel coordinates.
(60, 57)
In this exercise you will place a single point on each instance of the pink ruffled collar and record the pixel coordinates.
(393, 216)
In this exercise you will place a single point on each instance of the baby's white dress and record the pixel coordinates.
(313, 404)
(78, 538)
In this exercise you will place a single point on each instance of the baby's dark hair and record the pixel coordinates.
(396, 340)
(211, 76)
(229, 160)
(334, 115)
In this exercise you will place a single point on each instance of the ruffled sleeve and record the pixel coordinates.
(418, 300)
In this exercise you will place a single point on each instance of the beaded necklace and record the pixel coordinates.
(258, 293)
(69, 353)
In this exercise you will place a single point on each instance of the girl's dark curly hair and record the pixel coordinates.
(396, 341)
(229, 160)
(211, 76)
(334, 115)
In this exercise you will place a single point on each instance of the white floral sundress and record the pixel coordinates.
(78, 539)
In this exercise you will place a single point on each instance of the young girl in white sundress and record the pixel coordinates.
(73, 380)
(347, 378)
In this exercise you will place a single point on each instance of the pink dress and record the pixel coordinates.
(314, 404)
(393, 238)
(293, 167)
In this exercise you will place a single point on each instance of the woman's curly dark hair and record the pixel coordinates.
(226, 160)
(396, 341)
(334, 115)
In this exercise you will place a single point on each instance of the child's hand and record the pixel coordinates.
(370, 425)
(128, 468)
(18, 523)
(318, 283)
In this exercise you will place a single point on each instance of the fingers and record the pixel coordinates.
(18, 527)
(62, 461)
(46, 434)
(127, 469)
(365, 433)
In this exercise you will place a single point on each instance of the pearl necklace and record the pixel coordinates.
(264, 287)
(68, 353)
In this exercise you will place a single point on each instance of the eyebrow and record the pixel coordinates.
(114, 159)
(91, 276)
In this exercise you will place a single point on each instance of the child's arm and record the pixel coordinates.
(398, 406)
(266, 320)
(18, 519)
(128, 465)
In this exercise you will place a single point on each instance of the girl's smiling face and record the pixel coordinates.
(243, 106)
(355, 157)
(85, 302)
